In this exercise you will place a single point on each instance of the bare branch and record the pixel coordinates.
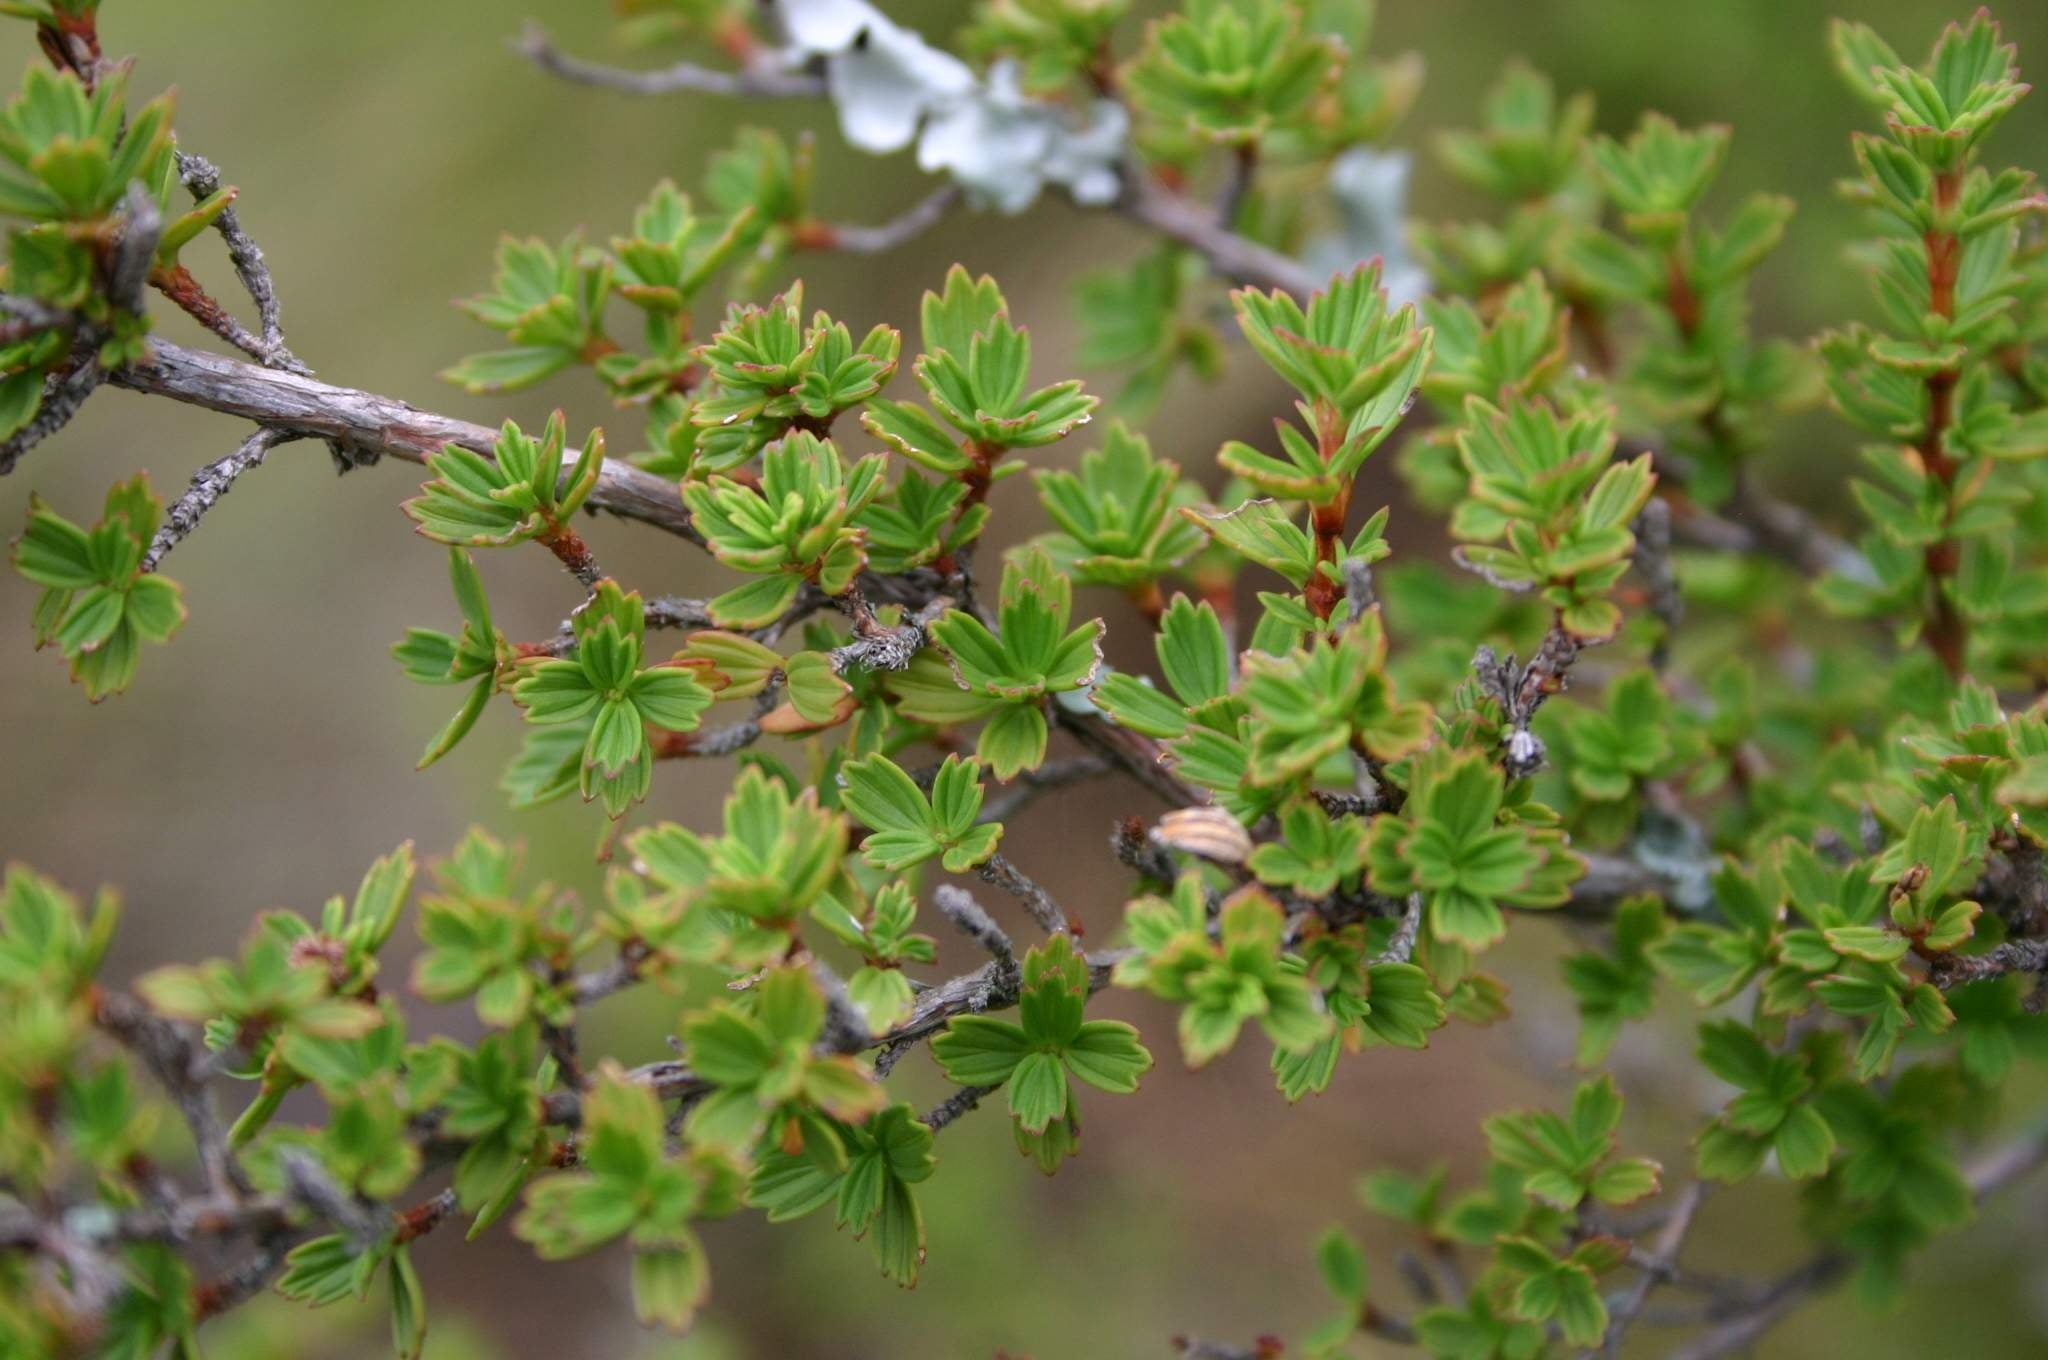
(883, 237)
(209, 484)
(1660, 1264)
(368, 426)
(1002, 873)
(1236, 258)
(762, 80)
(181, 1069)
(955, 1105)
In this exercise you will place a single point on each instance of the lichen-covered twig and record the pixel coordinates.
(209, 484)
(203, 180)
(762, 80)
(366, 424)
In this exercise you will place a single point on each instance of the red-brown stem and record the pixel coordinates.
(1948, 633)
(1150, 600)
(1679, 296)
(177, 284)
(423, 1217)
(811, 234)
(1323, 590)
(668, 745)
(1590, 321)
(978, 476)
(573, 553)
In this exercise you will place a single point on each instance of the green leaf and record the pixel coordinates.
(1107, 1055)
(978, 1050)
(1037, 1091)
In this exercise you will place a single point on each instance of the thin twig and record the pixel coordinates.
(883, 237)
(203, 180)
(1401, 947)
(209, 484)
(1002, 873)
(763, 80)
(2002, 1166)
(1658, 1267)
(953, 1106)
(181, 1069)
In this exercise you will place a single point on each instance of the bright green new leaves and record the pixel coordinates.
(1055, 41)
(490, 1098)
(333, 1267)
(769, 373)
(1033, 1059)
(1929, 382)
(1315, 852)
(1562, 1290)
(759, 1056)
(352, 931)
(1615, 987)
(1149, 318)
(975, 371)
(1231, 71)
(793, 524)
(670, 257)
(1264, 532)
(97, 604)
(71, 153)
(272, 991)
(1340, 1262)
(1332, 697)
(1005, 675)
(1356, 366)
(1566, 1158)
(522, 490)
(1223, 983)
(906, 827)
(1373, 1003)
(1196, 662)
(549, 302)
(885, 941)
(68, 156)
(1939, 111)
(1897, 1183)
(778, 855)
(1936, 858)
(1449, 844)
(1520, 345)
(1771, 1115)
(605, 686)
(1715, 962)
(474, 655)
(1628, 740)
(1549, 510)
(868, 1182)
(485, 940)
(49, 947)
(1529, 145)
(1116, 516)
(919, 521)
(629, 1185)
(1657, 175)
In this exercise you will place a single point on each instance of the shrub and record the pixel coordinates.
(1833, 845)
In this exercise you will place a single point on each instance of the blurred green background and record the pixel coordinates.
(266, 755)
